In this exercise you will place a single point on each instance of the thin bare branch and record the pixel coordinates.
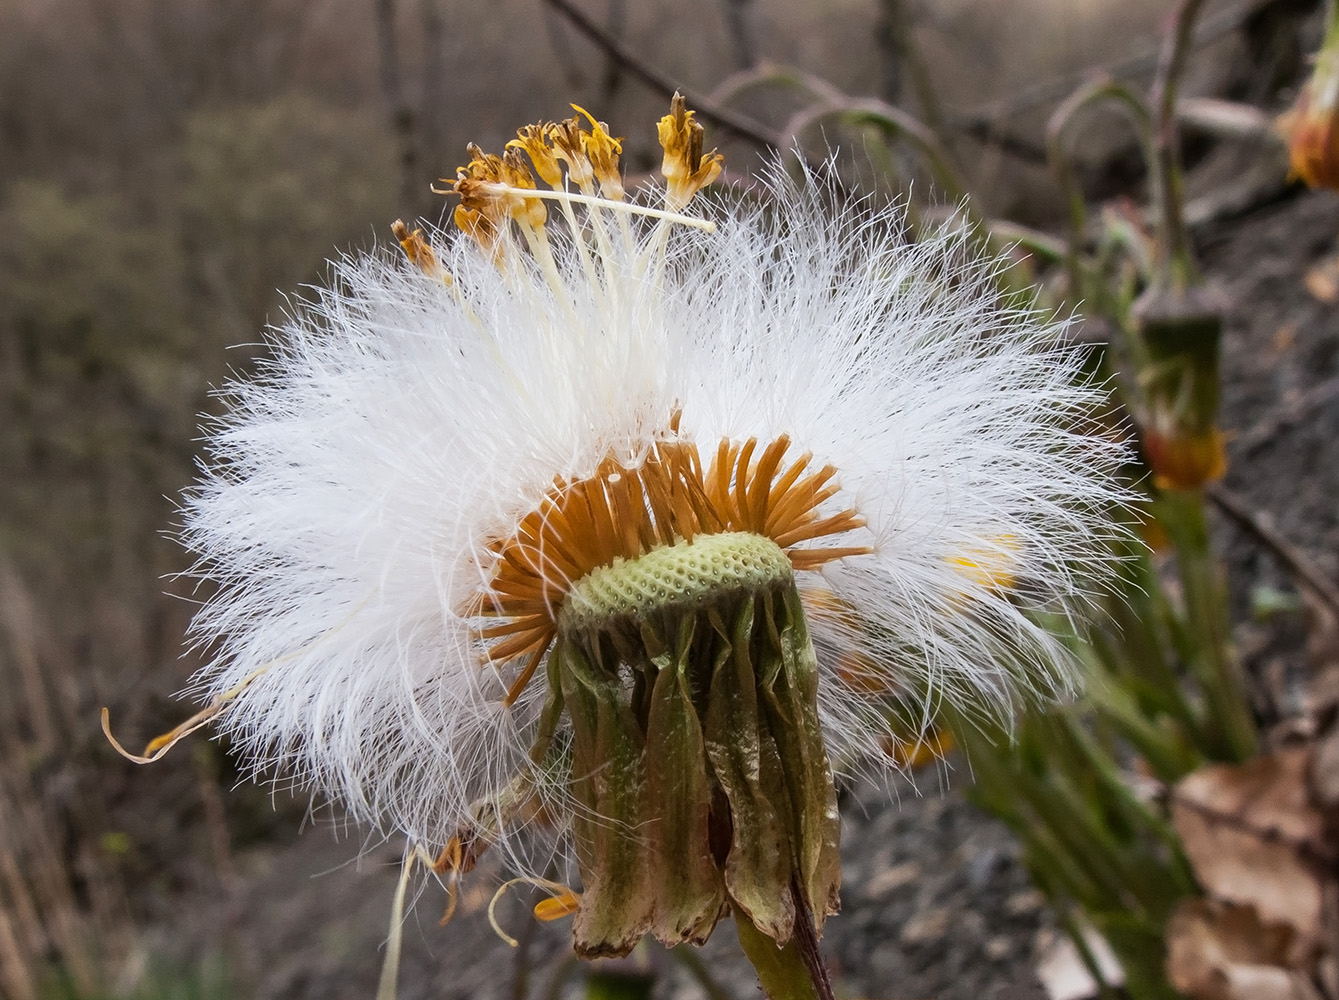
(1292, 558)
(434, 95)
(731, 121)
(1058, 87)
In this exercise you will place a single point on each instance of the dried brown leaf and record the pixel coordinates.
(1253, 837)
(1219, 951)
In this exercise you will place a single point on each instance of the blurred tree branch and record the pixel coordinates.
(739, 18)
(1177, 268)
(613, 69)
(1293, 559)
(402, 114)
(740, 125)
(901, 57)
(434, 96)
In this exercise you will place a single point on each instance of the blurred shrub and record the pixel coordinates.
(270, 191)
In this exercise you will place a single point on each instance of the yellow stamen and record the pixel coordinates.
(158, 747)
(568, 146)
(602, 151)
(560, 892)
(556, 907)
(493, 190)
(534, 139)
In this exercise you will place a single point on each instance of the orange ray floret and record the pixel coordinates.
(624, 512)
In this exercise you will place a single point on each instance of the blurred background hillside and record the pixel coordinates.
(170, 170)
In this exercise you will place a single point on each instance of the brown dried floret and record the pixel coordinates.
(686, 168)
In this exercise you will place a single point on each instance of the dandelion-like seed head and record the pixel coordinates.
(627, 526)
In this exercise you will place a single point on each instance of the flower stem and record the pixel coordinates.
(794, 971)
(1229, 728)
(1178, 270)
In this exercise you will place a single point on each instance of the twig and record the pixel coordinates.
(991, 134)
(1058, 127)
(1292, 557)
(392, 91)
(895, 37)
(612, 78)
(1285, 417)
(740, 125)
(433, 97)
(899, 123)
(520, 983)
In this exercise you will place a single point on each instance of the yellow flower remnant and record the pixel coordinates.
(686, 168)
(1311, 126)
(1185, 461)
(564, 904)
(416, 248)
(915, 754)
(992, 568)
(602, 151)
(497, 189)
(493, 190)
(534, 141)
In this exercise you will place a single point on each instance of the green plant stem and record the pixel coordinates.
(1228, 726)
(784, 973)
(1058, 130)
(1177, 270)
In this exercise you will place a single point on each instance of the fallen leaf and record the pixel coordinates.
(1219, 951)
(1252, 836)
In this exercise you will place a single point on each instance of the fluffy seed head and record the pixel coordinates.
(399, 503)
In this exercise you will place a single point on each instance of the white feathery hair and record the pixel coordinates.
(402, 424)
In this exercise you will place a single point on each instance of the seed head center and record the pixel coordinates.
(684, 575)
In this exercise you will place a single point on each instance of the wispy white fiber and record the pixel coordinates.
(402, 424)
